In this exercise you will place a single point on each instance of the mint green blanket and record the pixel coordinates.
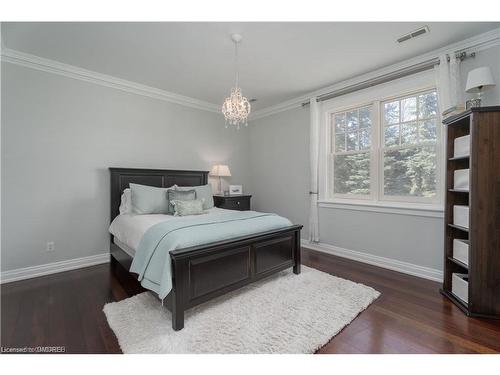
(152, 258)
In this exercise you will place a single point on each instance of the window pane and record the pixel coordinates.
(409, 133)
(352, 141)
(339, 142)
(427, 105)
(392, 135)
(352, 120)
(409, 109)
(428, 131)
(365, 120)
(340, 123)
(410, 172)
(364, 139)
(391, 112)
(352, 174)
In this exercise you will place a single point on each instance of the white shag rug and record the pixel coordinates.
(285, 313)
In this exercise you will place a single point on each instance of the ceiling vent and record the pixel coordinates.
(423, 30)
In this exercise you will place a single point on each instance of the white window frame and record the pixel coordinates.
(439, 142)
(331, 153)
(419, 83)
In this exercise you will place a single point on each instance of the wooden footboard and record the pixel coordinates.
(204, 272)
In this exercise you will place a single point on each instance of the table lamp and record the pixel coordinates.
(220, 171)
(478, 80)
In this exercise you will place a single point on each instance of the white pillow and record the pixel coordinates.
(126, 203)
(126, 200)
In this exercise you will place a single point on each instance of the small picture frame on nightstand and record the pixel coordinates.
(235, 189)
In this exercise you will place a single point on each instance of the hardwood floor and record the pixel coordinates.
(409, 317)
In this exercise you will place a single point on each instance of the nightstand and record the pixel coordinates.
(233, 202)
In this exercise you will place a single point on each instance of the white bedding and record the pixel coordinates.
(128, 229)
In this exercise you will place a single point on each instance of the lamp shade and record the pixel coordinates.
(220, 171)
(479, 79)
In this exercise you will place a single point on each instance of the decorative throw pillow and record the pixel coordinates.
(185, 208)
(202, 191)
(179, 195)
(149, 199)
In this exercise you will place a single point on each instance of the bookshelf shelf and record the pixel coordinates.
(458, 191)
(459, 263)
(459, 158)
(464, 229)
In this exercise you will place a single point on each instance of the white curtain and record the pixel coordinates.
(314, 160)
(448, 82)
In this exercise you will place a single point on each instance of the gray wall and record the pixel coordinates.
(59, 136)
(279, 162)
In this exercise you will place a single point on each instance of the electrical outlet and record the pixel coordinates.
(51, 246)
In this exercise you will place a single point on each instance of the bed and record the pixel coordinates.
(204, 271)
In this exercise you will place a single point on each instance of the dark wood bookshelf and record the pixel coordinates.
(483, 200)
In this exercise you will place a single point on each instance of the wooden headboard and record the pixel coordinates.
(122, 177)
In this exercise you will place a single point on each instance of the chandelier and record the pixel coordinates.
(236, 107)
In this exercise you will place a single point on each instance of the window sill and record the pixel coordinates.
(425, 210)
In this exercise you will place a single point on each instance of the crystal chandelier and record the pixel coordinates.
(236, 107)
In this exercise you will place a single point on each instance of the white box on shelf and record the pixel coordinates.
(461, 179)
(461, 251)
(461, 146)
(461, 215)
(460, 286)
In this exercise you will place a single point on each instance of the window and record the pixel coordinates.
(351, 144)
(386, 150)
(410, 147)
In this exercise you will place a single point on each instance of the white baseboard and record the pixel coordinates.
(50, 268)
(375, 260)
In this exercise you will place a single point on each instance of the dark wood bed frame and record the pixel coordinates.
(201, 273)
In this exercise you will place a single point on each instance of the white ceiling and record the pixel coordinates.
(278, 61)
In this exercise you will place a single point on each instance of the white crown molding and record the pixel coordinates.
(55, 67)
(51, 268)
(281, 107)
(375, 260)
(479, 42)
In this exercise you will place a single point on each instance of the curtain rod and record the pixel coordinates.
(400, 73)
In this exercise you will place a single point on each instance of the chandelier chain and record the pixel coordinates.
(236, 64)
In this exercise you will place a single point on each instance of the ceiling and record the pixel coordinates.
(278, 61)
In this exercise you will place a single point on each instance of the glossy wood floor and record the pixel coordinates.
(410, 316)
